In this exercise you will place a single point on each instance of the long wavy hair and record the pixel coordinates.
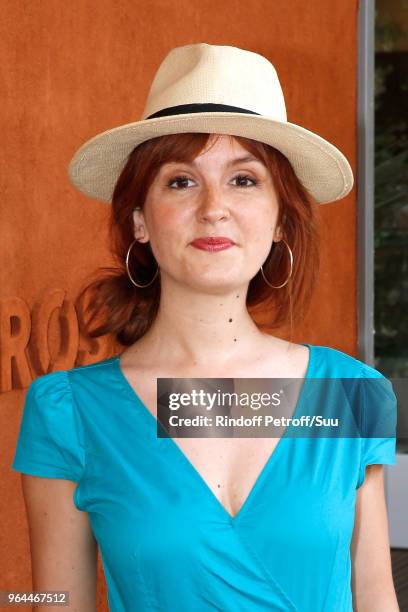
(111, 304)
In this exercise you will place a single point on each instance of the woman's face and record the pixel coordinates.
(224, 192)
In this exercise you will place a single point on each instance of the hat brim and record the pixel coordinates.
(322, 169)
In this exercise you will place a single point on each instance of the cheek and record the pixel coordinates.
(168, 215)
(259, 224)
(260, 242)
(258, 235)
(262, 227)
(168, 229)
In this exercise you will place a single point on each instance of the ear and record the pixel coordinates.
(278, 234)
(140, 230)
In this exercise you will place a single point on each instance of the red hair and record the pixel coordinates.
(119, 307)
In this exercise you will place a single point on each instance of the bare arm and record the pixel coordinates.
(372, 581)
(63, 548)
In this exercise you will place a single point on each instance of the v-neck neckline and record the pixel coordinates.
(233, 519)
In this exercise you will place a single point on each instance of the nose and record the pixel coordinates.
(213, 204)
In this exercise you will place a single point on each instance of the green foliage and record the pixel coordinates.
(391, 209)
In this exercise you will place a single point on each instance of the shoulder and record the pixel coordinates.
(49, 384)
(63, 379)
(330, 361)
(57, 401)
(371, 394)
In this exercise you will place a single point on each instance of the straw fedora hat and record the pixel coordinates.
(214, 89)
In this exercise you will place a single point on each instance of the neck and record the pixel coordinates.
(201, 329)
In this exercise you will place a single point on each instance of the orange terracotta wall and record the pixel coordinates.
(72, 69)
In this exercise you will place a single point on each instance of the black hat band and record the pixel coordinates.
(200, 108)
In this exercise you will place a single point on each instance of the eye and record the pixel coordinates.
(241, 178)
(181, 180)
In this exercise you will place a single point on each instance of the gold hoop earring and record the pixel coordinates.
(290, 273)
(128, 271)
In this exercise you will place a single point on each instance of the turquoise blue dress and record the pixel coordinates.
(166, 542)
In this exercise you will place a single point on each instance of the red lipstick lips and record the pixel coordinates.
(212, 243)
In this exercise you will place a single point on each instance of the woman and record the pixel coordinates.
(210, 523)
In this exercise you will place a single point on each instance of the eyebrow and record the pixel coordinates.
(243, 160)
(232, 162)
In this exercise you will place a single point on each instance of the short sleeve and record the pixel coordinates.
(378, 421)
(50, 441)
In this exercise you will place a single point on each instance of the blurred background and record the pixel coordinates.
(391, 251)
